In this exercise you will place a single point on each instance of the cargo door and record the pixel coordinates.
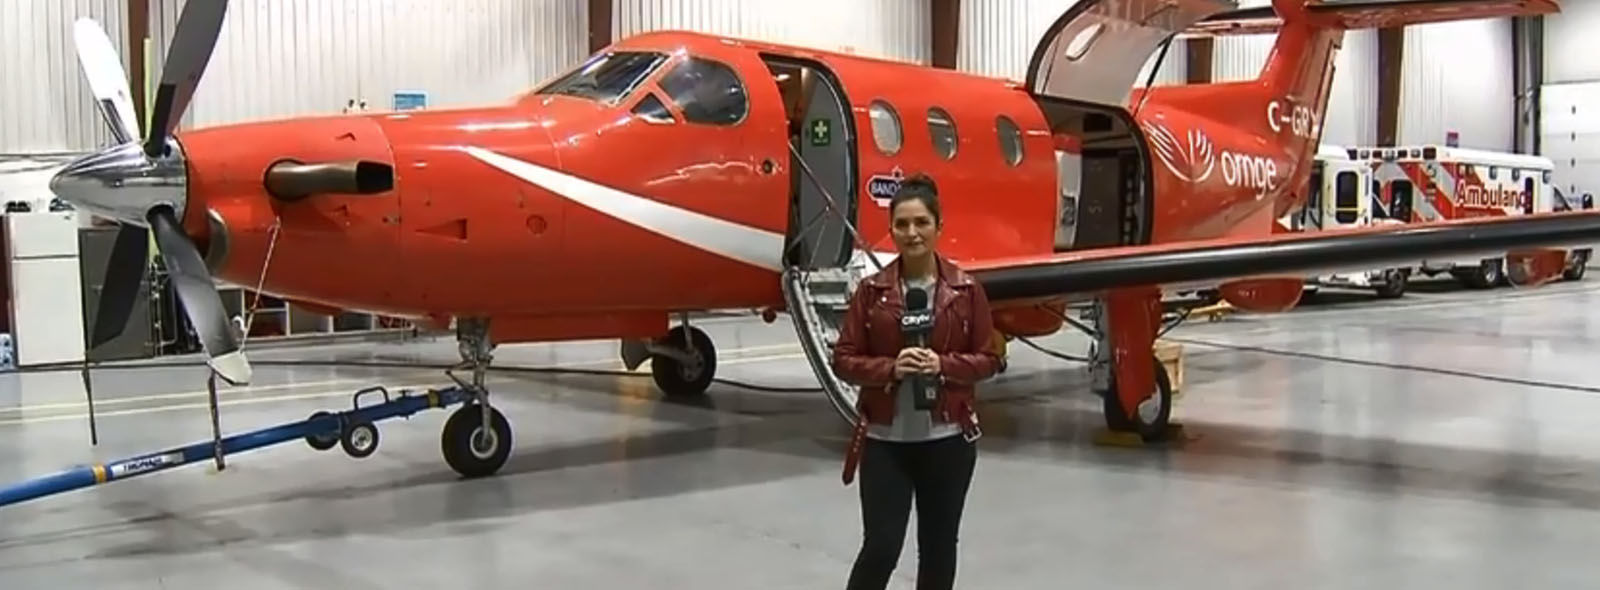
(1094, 52)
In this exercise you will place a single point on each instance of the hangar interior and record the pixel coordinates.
(1453, 420)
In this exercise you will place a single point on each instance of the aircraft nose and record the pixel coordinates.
(123, 184)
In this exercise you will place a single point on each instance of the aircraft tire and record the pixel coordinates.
(1150, 428)
(464, 448)
(672, 377)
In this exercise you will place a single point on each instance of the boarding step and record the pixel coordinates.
(817, 300)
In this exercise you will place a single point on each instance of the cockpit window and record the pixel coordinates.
(606, 78)
(707, 92)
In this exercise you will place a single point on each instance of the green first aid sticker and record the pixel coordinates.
(821, 132)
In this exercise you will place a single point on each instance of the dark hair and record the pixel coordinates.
(921, 187)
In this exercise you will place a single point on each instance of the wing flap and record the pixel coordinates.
(1208, 263)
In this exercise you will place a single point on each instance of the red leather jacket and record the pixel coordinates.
(869, 340)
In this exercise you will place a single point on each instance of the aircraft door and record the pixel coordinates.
(1069, 172)
(823, 168)
(1095, 51)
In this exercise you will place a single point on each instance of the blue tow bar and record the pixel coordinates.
(323, 430)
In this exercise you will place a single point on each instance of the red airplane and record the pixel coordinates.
(673, 172)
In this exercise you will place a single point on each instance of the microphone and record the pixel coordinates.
(915, 325)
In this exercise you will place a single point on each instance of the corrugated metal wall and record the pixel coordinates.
(1569, 118)
(997, 38)
(1352, 117)
(1458, 77)
(45, 104)
(1569, 43)
(279, 58)
(891, 29)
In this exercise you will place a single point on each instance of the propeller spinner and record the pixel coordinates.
(143, 186)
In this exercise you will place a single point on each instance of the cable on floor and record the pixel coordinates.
(1057, 354)
(1385, 365)
(407, 365)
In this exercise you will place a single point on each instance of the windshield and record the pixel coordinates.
(606, 78)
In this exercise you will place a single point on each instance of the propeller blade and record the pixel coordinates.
(124, 275)
(201, 302)
(107, 80)
(192, 44)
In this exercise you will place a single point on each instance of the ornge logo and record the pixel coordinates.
(1191, 161)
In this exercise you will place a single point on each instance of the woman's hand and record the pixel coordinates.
(908, 362)
(930, 361)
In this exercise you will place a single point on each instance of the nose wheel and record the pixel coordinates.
(469, 448)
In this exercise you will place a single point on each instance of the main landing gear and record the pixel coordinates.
(683, 363)
(1134, 387)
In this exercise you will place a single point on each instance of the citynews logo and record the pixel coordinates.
(916, 319)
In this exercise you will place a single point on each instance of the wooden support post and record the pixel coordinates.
(600, 24)
(1391, 56)
(138, 31)
(1201, 51)
(945, 29)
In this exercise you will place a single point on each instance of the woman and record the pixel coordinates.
(906, 448)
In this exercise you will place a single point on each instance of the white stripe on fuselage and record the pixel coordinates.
(750, 245)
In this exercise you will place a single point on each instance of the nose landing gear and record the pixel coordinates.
(476, 440)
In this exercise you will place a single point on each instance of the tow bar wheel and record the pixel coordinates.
(469, 449)
(359, 439)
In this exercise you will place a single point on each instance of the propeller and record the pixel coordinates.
(143, 185)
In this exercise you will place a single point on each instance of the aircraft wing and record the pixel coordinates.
(1368, 14)
(1204, 264)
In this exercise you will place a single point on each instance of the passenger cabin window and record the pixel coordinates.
(1346, 197)
(886, 132)
(1010, 139)
(943, 131)
(707, 92)
(606, 78)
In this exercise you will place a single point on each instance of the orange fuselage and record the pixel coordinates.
(493, 211)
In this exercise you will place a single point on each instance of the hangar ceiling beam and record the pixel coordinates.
(600, 23)
(945, 30)
(1391, 52)
(138, 31)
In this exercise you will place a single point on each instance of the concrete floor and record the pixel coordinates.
(1446, 440)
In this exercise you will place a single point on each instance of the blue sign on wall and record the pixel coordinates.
(408, 100)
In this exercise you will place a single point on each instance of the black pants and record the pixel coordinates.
(937, 474)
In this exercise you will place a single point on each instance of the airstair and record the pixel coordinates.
(817, 300)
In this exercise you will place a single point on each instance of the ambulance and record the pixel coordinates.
(1343, 192)
(1426, 183)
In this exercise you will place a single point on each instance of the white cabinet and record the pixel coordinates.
(46, 287)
